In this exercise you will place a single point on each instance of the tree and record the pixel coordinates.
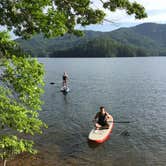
(57, 17)
(21, 85)
(21, 82)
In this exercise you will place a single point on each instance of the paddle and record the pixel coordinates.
(121, 121)
(52, 83)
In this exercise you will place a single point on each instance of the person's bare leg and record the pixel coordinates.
(65, 83)
(97, 126)
(109, 119)
(106, 126)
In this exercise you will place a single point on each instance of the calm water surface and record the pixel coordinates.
(131, 89)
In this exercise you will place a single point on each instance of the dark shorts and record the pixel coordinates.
(64, 78)
(102, 123)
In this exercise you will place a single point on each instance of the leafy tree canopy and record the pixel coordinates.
(21, 86)
(57, 17)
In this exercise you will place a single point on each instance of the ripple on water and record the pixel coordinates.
(130, 89)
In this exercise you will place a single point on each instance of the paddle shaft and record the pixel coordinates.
(121, 121)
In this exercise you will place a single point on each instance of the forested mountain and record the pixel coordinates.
(146, 39)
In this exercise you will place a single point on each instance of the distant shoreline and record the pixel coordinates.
(144, 40)
(103, 57)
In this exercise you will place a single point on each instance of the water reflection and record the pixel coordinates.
(94, 145)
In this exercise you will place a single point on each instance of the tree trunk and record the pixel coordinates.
(4, 162)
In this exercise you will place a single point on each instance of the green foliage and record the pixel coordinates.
(23, 78)
(6, 45)
(21, 86)
(29, 17)
(131, 8)
(57, 17)
(11, 145)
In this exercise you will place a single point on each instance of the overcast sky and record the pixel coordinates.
(156, 10)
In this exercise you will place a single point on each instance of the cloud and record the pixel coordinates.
(155, 9)
(152, 4)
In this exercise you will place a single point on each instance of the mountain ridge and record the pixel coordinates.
(147, 39)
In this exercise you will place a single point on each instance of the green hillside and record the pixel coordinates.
(147, 39)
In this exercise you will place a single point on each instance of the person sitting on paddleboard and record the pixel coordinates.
(64, 78)
(101, 119)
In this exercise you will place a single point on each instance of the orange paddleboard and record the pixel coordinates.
(101, 135)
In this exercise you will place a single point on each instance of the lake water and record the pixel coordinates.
(131, 89)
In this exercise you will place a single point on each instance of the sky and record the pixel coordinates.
(156, 10)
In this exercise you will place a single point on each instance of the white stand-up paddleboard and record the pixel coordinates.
(101, 135)
(65, 89)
